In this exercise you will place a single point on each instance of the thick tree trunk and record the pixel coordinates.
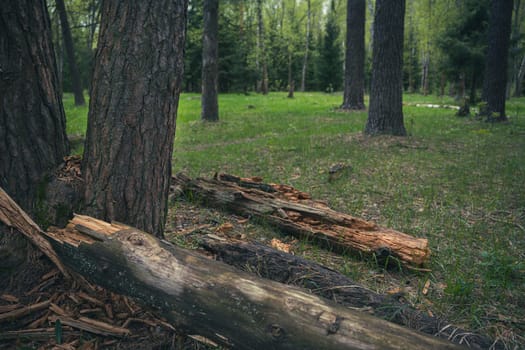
(286, 268)
(292, 211)
(210, 61)
(355, 55)
(214, 300)
(495, 79)
(32, 123)
(70, 52)
(385, 114)
(133, 107)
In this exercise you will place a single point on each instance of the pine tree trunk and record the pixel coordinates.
(136, 85)
(495, 80)
(385, 115)
(210, 58)
(32, 122)
(355, 55)
(70, 52)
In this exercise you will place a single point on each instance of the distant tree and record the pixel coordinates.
(193, 48)
(385, 114)
(330, 62)
(495, 81)
(354, 84)
(261, 62)
(133, 107)
(210, 58)
(306, 44)
(32, 122)
(70, 54)
(463, 44)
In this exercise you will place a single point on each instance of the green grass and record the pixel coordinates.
(459, 182)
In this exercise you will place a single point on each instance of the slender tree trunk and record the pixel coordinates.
(291, 82)
(32, 123)
(261, 64)
(70, 53)
(519, 78)
(136, 85)
(210, 61)
(497, 57)
(353, 96)
(306, 45)
(385, 115)
(424, 73)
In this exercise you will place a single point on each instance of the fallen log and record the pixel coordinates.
(217, 302)
(295, 212)
(286, 268)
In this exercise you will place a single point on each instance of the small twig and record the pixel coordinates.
(24, 311)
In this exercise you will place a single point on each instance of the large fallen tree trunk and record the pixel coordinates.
(293, 211)
(290, 269)
(227, 306)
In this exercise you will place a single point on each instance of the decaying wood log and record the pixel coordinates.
(13, 216)
(216, 301)
(290, 269)
(295, 212)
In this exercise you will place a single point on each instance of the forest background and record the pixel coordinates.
(303, 41)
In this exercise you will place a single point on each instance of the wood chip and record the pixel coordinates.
(50, 274)
(93, 326)
(426, 287)
(6, 308)
(227, 226)
(109, 310)
(26, 310)
(58, 310)
(10, 298)
(139, 320)
(90, 299)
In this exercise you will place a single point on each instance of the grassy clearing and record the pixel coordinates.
(457, 181)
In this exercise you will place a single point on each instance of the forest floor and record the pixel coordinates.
(459, 182)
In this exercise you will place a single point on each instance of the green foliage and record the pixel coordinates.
(330, 59)
(463, 43)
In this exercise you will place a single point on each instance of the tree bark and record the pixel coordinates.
(385, 114)
(136, 85)
(353, 97)
(33, 137)
(495, 79)
(294, 212)
(282, 267)
(70, 52)
(229, 307)
(210, 61)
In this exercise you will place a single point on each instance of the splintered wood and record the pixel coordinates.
(296, 212)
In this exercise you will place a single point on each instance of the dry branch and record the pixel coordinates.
(13, 216)
(295, 212)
